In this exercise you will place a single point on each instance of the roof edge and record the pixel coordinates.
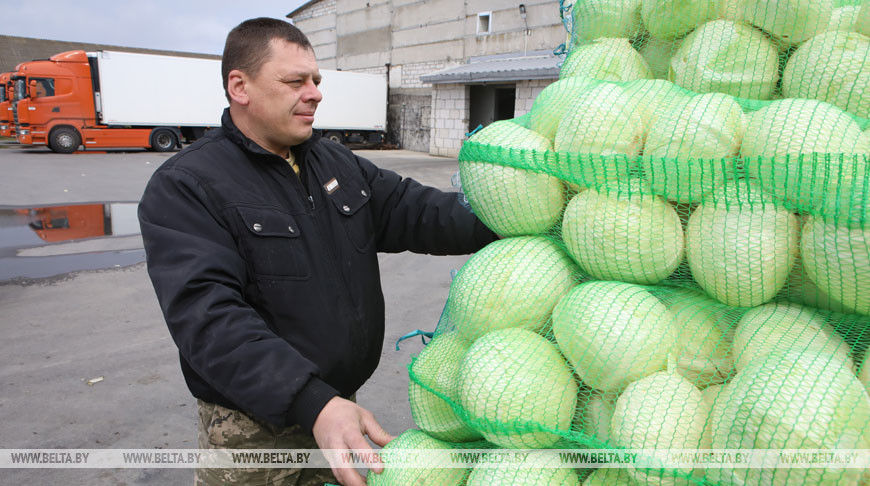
(300, 8)
(477, 78)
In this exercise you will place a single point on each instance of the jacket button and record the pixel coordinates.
(363, 192)
(346, 209)
(290, 228)
(258, 227)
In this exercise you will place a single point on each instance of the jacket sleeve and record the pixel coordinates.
(200, 277)
(413, 217)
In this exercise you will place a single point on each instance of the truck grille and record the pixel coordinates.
(15, 113)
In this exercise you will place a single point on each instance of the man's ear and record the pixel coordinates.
(237, 87)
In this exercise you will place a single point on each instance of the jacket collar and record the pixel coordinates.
(236, 136)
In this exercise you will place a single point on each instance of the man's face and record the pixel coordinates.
(283, 97)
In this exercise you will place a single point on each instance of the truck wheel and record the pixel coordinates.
(336, 137)
(64, 140)
(163, 140)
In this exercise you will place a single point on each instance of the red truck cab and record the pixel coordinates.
(7, 125)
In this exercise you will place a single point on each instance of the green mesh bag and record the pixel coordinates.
(686, 253)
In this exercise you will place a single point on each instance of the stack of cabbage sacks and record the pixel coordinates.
(686, 251)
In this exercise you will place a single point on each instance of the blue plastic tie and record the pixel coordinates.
(422, 334)
(479, 128)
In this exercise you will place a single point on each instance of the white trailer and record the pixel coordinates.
(354, 107)
(151, 90)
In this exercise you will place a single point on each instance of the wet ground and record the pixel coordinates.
(77, 305)
(45, 241)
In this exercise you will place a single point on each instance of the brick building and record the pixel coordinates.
(452, 65)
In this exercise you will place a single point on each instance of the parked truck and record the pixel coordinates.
(116, 99)
(7, 127)
(110, 99)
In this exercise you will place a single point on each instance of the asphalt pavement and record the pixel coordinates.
(86, 361)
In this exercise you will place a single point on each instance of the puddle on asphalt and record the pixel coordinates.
(46, 241)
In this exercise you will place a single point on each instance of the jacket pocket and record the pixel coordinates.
(272, 243)
(351, 201)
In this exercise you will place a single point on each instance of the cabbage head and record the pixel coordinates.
(606, 18)
(837, 259)
(792, 401)
(661, 411)
(607, 130)
(628, 235)
(513, 282)
(432, 458)
(779, 326)
(613, 333)
(833, 67)
(844, 18)
(789, 21)
(516, 388)
(727, 57)
(789, 142)
(671, 19)
(607, 59)
(740, 245)
(512, 201)
(553, 102)
(437, 367)
(689, 150)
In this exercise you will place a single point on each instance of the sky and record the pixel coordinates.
(177, 25)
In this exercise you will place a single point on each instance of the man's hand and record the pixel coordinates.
(343, 424)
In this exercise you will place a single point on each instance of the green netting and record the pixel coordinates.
(686, 252)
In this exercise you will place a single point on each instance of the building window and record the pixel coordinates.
(484, 23)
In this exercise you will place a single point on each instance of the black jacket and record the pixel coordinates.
(269, 282)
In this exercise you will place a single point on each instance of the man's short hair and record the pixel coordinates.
(247, 47)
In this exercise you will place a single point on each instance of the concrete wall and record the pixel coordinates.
(317, 21)
(508, 29)
(419, 37)
(412, 35)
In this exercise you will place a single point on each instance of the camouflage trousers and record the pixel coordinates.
(224, 428)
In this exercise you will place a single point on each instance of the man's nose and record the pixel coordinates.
(313, 93)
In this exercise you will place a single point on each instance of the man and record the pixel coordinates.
(261, 243)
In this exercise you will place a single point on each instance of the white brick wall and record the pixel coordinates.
(373, 70)
(450, 119)
(527, 91)
(411, 73)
